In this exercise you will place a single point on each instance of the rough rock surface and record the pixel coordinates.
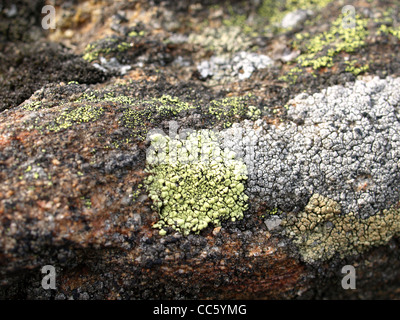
(316, 124)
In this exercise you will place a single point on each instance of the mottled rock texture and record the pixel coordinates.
(316, 126)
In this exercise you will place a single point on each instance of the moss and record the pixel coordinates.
(322, 231)
(193, 183)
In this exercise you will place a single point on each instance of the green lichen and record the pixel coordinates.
(269, 15)
(194, 183)
(355, 68)
(272, 212)
(136, 33)
(33, 106)
(276, 10)
(87, 202)
(136, 193)
(226, 110)
(104, 47)
(141, 115)
(76, 115)
(322, 48)
(390, 30)
(292, 75)
(321, 231)
(240, 20)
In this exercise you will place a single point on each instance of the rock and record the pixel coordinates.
(316, 139)
(240, 66)
(292, 19)
(273, 223)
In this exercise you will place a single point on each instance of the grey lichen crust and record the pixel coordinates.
(333, 167)
(342, 143)
(240, 66)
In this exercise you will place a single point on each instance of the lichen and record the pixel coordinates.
(227, 109)
(104, 47)
(390, 30)
(269, 15)
(276, 10)
(71, 116)
(33, 106)
(194, 183)
(355, 67)
(140, 119)
(321, 230)
(137, 114)
(322, 48)
(220, 41)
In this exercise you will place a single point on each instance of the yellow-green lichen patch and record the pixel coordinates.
(220, 41)
(194, 183)
(276, 10)
(272, 212)
(76, 115)
(390, 30)
(269, 15)
(33, 106)
(141, 115)
(321, 231)
(355, 67)
(322, 50)
(228, 109)
(240, 20)
(105, 47)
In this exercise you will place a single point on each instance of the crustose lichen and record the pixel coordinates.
(194, 183)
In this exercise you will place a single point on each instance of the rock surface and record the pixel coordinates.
(311, 108)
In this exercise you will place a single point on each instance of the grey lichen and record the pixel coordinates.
(342, 144)
(238, 67)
